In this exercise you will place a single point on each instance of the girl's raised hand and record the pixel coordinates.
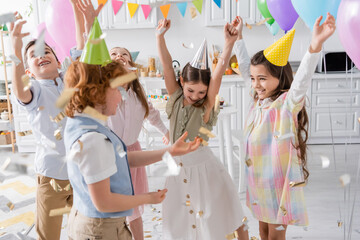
(230, 33)
(157, 197)
(322, 32)
(163, 26)
(180, 147)
(238, 23)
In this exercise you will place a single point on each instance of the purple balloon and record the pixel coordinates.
(348, 25)
(283, 12)
(60, 23)
(49, 41)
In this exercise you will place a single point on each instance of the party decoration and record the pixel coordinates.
(61, 27)
(116, 5)
(200, 60)
(218, 3)
(165, 9)
(132, 8)
(103, 2)
(96, 54)
(49, 41)
(263, 8)
(310, 10)
(182, 8)
(283, 12)
(273, 28)
(348, 22)
(278, 53)
(134, 55)
(146, 10)
(198, 4)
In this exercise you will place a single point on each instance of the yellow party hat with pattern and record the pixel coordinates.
(278, 53)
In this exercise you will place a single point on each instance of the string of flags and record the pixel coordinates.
(146, 8)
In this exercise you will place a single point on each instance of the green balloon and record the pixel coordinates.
(262, 6)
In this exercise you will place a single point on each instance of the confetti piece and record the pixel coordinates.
(55, 185)
(148, 236)
(88, 126)
(123, 79)
(57, 134)
(153, 209)
(187, 195)
(25, 133)
(325, 161)
(2, 233)
(147, 231)
(7, 18)
(262, 21)
(132, 68)
(159, 219)
(233, 235)
(254, 238)
(206, 132)
(59, 211)
(217, 103)
(193, 13)
(248, 162)
(81, 145)
(255, 202)
(248, 26)
(204, 143)
(124, 94)
(26, 81)
(98, 40)
(39, 50)
(280, 228)
(94, 113)
(245, 220)
(5, 164)
(40, 108)
(191, 46)
(200, 213)
(283, 210)
(293, 221)
(65, 97)
(187, 203)
(345, 179)
(171, 168)
(153, 219)
(67, 187)
(15, 59)
(58, 117)
(237, 71)
(340, 223)
(10, 205)
(297, 184)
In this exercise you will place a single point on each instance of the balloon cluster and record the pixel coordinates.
(284, 13)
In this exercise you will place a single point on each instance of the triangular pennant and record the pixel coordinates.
(146, 10)
(134, 55)
(165, 9)
(182, 8)
(102, 2)
(218, 3)
(116, 5)
(132, 8)
(198, 4)
(278, 53)
(96, 54)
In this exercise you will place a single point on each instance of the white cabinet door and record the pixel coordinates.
(215, 16)
(122, 19)
(247, 9)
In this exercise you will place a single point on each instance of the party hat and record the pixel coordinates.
(95, 51)
(200, 61)
(279, 52)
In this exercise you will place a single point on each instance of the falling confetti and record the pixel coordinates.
(15, 59)
(57, 134)
(280, 228)
(25, 133)
(40, 45)
(171, 168)
(231, 236)
(191, 46)
(325, 162)
(65, 97)
(248, 162)
(10, 205)
(297, 184)
(206, 132)
(94, 113)
(40, 108)
(5, 164)
(262, 21)
(123, 79)
(193, 13)
(98, 40)
(248, 26)
(217, 103)
(345, 179)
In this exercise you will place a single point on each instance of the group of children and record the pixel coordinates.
(105, 164)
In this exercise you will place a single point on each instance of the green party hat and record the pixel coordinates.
(95, 51)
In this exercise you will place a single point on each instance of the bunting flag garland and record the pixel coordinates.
(116, 5)
(146, 10)
(198, 4)
(102, 2)
(132, 8)
(182, 8)
(218, 3)
(165, 9)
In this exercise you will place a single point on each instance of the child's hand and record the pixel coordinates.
(163, 26)
(88, 11)
(166, 138)
(180, 147)
(17, 36)
(322, 32)
(230, 33)
(238, 23)
(157, 197)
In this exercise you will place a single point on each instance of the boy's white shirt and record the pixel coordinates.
(95, 156)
